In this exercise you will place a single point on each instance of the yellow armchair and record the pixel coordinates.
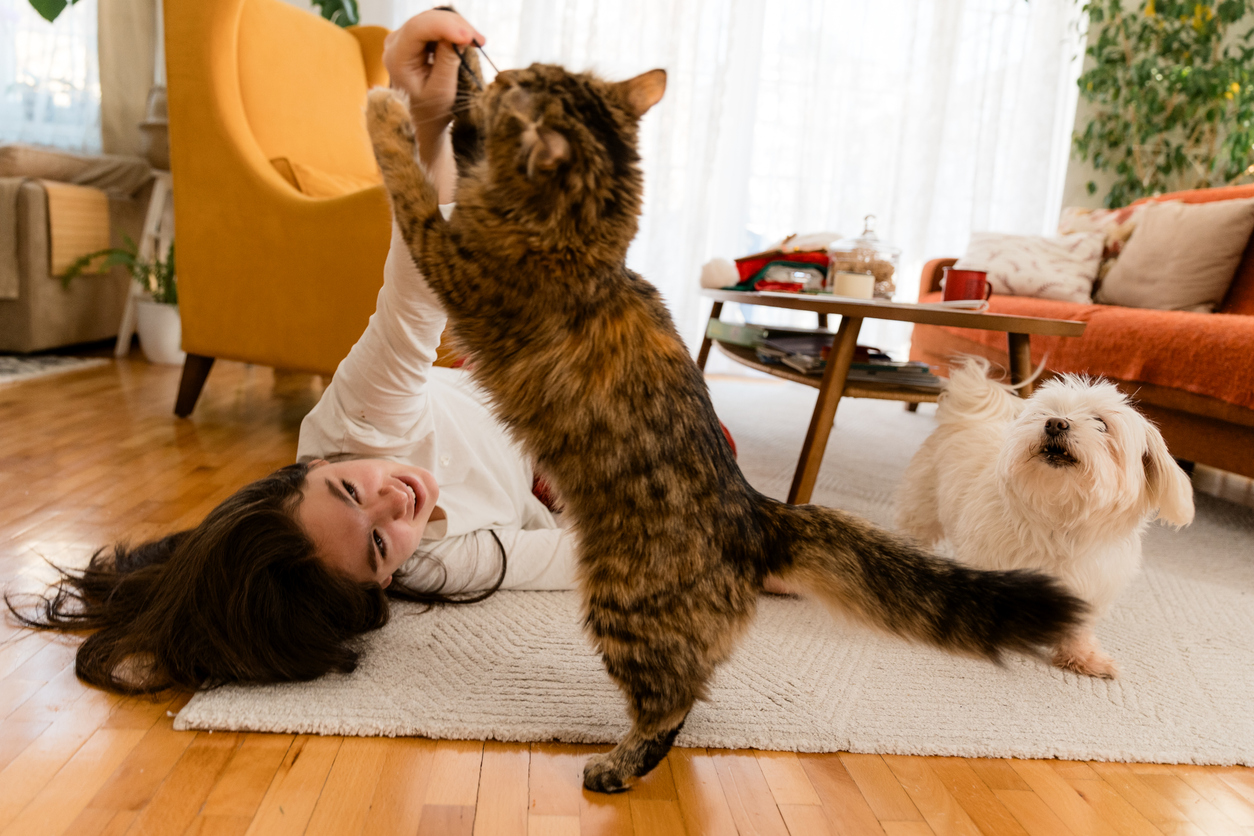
(265, 100)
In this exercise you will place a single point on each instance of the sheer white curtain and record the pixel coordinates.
(49, 77)
(938, 116)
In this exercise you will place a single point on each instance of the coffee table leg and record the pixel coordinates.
(1020, 362)
(830, 390)
(704, 354)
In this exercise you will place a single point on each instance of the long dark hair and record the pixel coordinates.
(242, 597)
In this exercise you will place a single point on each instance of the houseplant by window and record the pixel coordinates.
(157, 313)
(1173, 86)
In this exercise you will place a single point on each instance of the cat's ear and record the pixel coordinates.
(548, 150)
(643, 91)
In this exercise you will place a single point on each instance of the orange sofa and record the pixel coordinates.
(1192, 374)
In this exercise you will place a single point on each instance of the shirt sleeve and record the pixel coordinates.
(378, 397)
(536, 559)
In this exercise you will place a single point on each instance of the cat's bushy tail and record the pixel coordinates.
(884, 580)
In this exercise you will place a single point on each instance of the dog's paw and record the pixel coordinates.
(601, 775)
(1085, 659)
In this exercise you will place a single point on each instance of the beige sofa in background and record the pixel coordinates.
(54, 208)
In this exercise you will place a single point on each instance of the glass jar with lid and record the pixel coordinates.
(866, 254)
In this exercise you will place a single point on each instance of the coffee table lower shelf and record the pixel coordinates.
(879, 391)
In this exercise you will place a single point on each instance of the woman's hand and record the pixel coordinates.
(420, 59)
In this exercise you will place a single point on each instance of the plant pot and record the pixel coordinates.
(160, 332)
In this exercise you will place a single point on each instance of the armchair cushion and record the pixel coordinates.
(317, 183)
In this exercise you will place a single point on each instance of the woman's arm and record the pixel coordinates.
(376, 403)
(538, 559)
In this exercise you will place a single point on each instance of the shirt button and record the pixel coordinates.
(444, 460)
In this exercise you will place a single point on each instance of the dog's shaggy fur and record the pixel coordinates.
(1063, 482)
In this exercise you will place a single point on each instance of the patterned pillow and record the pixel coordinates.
(1116, 224)
(1061, 268)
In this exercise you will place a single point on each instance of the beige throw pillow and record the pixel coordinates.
(1182, 256)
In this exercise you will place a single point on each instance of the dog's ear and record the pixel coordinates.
(1167, 487)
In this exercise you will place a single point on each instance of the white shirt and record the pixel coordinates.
(387, 401)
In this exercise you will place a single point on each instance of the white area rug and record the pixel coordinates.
(517, 668)
(14, 368)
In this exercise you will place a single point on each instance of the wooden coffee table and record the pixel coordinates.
(833, 384)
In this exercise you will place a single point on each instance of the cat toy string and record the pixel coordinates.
(461, 56)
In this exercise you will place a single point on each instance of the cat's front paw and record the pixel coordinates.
(600, 775)
(391, 130)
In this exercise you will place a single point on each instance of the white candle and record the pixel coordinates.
(853, 285)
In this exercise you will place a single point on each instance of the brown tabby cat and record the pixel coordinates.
(587, 370)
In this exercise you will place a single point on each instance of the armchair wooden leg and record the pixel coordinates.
(195, 370)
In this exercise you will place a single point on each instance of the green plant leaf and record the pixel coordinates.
(339, 12)
(49, 9)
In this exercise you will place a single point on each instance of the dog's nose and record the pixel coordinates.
(1056, 426)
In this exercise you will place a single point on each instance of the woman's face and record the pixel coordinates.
(366, 516)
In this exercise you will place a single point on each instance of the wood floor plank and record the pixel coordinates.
(1225, 799)
(909, 828)
(243, 782)
(552, 825)
(290, 799)
(447, 820)
(29, 772)
(846, 808)
(556, 779)
(396, 806)
(700, 794)
(1158, 810)
(454, 780)
(939, 808)
(182, 795)
(1186, 799)
(602, 814)
(787, 779)
(1033, 813)
(15, 736)
(807, 820)
(1062, 799)
(218, 826)
(502, 807)
(656, 817)
(61, 800)
(136, 780)
(975, 797)
(997, 773)
(1113, 808)
(344, 801)
(881, 789)
(749, 798)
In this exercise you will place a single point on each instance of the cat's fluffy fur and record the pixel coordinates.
(1063, 482)
(586, 369)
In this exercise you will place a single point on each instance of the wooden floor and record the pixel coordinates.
(93, 456)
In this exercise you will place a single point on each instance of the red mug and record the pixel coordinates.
(965, 284)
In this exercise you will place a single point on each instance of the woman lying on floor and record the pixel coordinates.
(406, 487)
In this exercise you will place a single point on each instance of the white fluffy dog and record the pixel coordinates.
(1063, 482)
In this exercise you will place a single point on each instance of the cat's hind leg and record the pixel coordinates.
(659, 702)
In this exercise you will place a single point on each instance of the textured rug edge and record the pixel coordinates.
(190, 720)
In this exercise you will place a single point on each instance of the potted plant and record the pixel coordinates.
(157, 313)
(1172, 84)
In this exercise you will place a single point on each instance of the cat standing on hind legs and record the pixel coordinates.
(585, 367)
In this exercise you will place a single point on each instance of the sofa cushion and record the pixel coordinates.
(1062, 267)
(1181, 256)
(119, 176)
(1207, 355)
